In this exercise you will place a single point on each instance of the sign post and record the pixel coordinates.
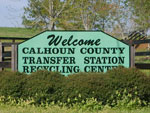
(72, 51)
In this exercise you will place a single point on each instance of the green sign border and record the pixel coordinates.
(76, 31)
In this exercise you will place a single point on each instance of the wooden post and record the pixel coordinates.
(132, 56)
(1, 54)
(13, 40)
(14, 57)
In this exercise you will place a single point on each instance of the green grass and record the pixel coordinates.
(56, 109)
(17, 32)
(147, 72)
(142, 59)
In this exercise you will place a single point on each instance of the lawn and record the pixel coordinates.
(56, 109)
(17, 32)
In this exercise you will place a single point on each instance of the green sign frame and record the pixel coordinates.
(72, 52)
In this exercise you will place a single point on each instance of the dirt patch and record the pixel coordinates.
(141, 46)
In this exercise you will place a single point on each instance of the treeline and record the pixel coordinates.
(114, 16)
(52, 87)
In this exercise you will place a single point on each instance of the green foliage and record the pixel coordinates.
(12, 84)
(89, 104)
(103, 86)
(44, 14)
(89, 14)
(44, 86)
(132, 80)
(124, 99)
(141, 10)
(68, 14)
(118, 87)
(87, 85)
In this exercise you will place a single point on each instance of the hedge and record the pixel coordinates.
(44, 86)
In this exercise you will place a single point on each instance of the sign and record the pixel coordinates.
(72, 51)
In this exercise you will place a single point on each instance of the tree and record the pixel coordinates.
(141, 11)
(68, 14)
(44, 14)
(91, 14)
(94, 13)
(121, 18)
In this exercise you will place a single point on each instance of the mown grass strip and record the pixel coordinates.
(56, 109)
(17, 32)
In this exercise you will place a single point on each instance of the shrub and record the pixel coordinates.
(103, 86)
(88, 85)
(44, 86)
(12, 84)
(130, 79)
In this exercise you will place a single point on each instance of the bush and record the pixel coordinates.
(103, 86)
(88, 85)
(130, 79)
(12, 84)
(44, 86)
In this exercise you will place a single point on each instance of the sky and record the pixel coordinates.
(11, 12)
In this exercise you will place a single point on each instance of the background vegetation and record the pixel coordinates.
(18, 32)
(117, 17)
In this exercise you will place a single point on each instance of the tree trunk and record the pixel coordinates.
(51, 26)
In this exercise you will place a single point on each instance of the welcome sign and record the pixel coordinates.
(72, 51)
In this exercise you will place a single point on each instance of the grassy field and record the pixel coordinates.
(17, 32)
(56, 109)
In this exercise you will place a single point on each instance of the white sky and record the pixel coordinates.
(11, 12)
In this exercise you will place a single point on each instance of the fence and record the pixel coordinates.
(138, 42)
(8, 58)
(13, 39)
(11, 55)
(11, 61)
